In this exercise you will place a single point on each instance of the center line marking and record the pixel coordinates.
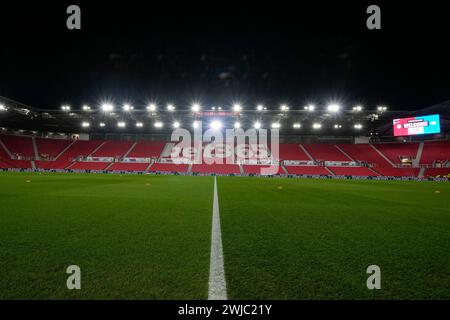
(217, 285)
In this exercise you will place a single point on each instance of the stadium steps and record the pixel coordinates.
(70, 165)
(165, 153)
(416, 161)
(33, 164)
(382, 155)
(35, 149)
(129, 150)
(109, 166)
(421, 173)
(190, 168)
(377, 173)
(241, 169)
(284, 168)
(6, 149)
(306, 152)
(331, 172)
(96, 149)
(345, 153)
(148, 167)
(64, 150)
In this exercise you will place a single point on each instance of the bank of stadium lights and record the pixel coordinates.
(337, 126)
(260, 107)
(381, 108)
(257, 125)
(127, 107)
(237, 125)
(151, 107)
(357, 108)
(170, 107)
(195, 107)
(158, 124)
(296, 125)
(107, 107)
(85, 124)
(216, 125)
(333, 108)
(317, 126)
(284, 108)
(237, 107)
(102, 125)
(176, 124)
(358, 126)
(2, 107)
(139, 124)
(86, 108)
(310, 108)
(276, 125)
(121, 124)
(65, 108)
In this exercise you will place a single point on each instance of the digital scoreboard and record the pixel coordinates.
(417, 125)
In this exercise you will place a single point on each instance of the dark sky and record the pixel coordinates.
(219, 52)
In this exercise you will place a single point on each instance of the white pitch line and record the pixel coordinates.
(217, 285)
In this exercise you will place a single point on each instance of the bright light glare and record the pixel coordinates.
(65, 108)
(176, 124)
(2, 107)
(86, 108)
(121, 124)
(358, 126)
(158, 124)
(276, 125)
(260, 107)
(257, 125)
(139, 124)
(237, 125)
(85, 124)
(127, 107)
(216, 125)
(107, 107)
(151, 107)
(333, 108)
(171, 107)
(317, 126)
(284, 107)
(196, 124)
(337, 126)
(296, 125)
(237, 107)
(102, 124)
(357, 108)
(195, 107)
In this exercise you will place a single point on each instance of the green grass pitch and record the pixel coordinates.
(148, 237)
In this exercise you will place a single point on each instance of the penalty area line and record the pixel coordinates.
(217, 285)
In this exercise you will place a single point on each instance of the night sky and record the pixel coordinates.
(222, 52)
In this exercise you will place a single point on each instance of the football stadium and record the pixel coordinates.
(267, 183)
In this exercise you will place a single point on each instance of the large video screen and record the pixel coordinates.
(417, 125)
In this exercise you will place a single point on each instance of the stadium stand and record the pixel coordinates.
(18, 145)
(292, 151)
(127, 166)
(435, 151)
(146, 149)
(89, 166)
(51, 148)
(80, 149)
(307, 170)
(433, 172)
(216, 168)
(394, 151)
(115, 149)
(253, 169)
(353, 171)
(52, 165)
(169, 167)
(325, 152)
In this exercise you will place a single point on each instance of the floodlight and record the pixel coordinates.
(195, 107)
(357, 108)
(317, 126)
(158, 124)
(310, 107)
(237, 107)
(284, 107)
(151, 107)
(296, 125)
(65, 108)
(107, 107)
(333, 108)
(121, 124)
(260, 107)
(85, 124)
(170, 107)
(196, 124)
(127, 107)
(337, 126)
(139, 124)
(176, 124)
(358, 126)
(102, 124)
(2, 107)
(257, 125)
(86, 108)
(237, 125)
(276, 125)
(216, 125)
